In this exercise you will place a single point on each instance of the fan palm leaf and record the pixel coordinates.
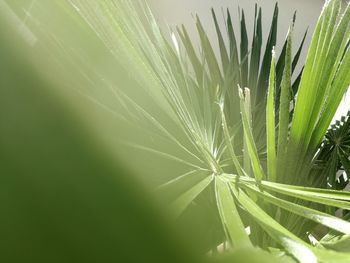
(247, 139)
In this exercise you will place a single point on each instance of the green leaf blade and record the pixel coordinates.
(184, 200)
(229, 215)
(270, 123)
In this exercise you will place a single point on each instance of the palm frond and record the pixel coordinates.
(246, 154)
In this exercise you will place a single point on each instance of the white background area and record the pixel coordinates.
(171, 13)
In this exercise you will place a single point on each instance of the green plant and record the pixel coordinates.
(257, 158)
